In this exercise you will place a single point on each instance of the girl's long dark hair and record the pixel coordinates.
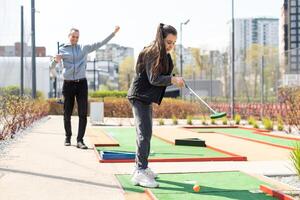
(156, 52)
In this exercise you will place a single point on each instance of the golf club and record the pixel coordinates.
(59, 100)
(215, 114)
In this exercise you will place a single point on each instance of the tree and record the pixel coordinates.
(126, 72)
(188, 71)
(254, 55)
(253, 58)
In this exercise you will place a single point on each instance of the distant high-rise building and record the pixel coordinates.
(290, 36)
(249, 31)
(114, 52)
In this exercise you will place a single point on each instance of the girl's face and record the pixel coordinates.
(170, 41)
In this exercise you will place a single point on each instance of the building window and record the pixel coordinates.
(293, 32)
(293, 38)
(293, 3)
(293, 9)
(293, 66)
(293, 24)
(293, 18)
(293, 45)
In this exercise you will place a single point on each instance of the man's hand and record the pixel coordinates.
(178, 81)
(117, 29)
(58, 58)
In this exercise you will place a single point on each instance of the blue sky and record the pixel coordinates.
(138, 19)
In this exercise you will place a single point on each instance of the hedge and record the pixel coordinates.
(107, 93)
(18, 112)
(16, 91)
(120, 107)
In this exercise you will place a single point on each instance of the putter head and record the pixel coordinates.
(218, 115)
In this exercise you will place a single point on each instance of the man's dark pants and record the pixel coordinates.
(79, 90)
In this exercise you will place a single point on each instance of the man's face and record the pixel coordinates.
(74, 37)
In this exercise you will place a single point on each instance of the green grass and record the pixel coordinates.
(249, 134)
(214, 186)
(295, 158)
(159, 148)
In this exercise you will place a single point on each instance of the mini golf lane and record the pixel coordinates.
(252, 150)
(162, 151)
(214, 186)
(253, 135)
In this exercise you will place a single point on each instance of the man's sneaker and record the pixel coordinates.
(142, 178)
(68, 141)
(81, 145)
(151, 173)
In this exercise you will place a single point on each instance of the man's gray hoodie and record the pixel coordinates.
(74, 58)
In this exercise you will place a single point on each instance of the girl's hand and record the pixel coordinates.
(117, 29)
(178, 81)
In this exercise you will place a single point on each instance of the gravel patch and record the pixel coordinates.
(291, 180)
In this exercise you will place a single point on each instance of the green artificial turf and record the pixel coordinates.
(249, 134)
(159, 148)
(214, 186)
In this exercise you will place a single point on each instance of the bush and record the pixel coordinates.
(174, 120)
(251, 120)
(295, 158)
(18, 112)
(224, 121)
(213, 121)
(161, 122)
(237, 119)
(291, 97)
(16, 91)
(255, 125)
(180, 108)
(120, 107)
(280, 125)
(189, 120)
(268, 124)
(107, 93)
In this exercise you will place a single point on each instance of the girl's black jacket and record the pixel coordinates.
(145, 86)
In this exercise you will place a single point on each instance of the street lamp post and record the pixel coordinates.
(181, 48)
(22, 52)
(262, 87)
(94, 73)
(33, 60)
(232, 63)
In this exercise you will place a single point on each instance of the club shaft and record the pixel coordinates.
(201, 99)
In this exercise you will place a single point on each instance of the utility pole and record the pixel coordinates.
(94, 63)
(232, 63)
(22, 53)
(262, 86)
(33, 60)
(181, 48)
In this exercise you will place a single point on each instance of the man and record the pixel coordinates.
(74, 58)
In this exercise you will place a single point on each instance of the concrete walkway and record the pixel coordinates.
(38, 166)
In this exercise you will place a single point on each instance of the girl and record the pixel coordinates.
(153, 74)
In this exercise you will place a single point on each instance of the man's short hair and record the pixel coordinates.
(73, 30)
